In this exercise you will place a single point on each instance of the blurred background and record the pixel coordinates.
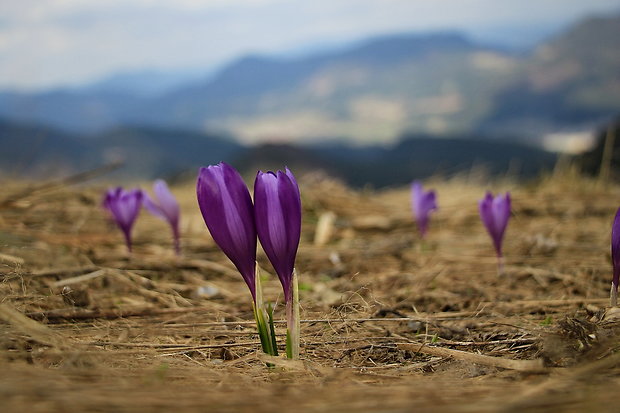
(373, 92)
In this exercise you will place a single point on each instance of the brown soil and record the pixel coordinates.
(389, 324)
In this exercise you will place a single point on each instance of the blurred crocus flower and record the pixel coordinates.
(495, 212)
(277, 208)
(615, 259)
(422, 202)
(124, 207)
(165, 207)
(227, 209)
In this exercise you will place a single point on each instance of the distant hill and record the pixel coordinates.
(591, 161)
(42, 152)
(368, 93)
(574, 78)
(145, 83)
(414, 157)
(39, 151)
(79, 111)
(440, 84)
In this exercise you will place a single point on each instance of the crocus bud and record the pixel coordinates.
(422, 204)
(615, 258)
(277, 209)
(165, 207)
(124, 207)
(226, 207)
(495, 213)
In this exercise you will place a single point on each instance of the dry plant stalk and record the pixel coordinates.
(33, 329)
(519, 365)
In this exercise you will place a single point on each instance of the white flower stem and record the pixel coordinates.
(292, 320)
(500, 265)
(613, 296)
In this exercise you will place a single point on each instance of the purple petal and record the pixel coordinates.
(501, 212)
(110, 195)
(166, 207)
(294, 182)
(124, 206)
(416, 197)
(494, 213)
(422, 204)
(227, 209)
(167, 202)
(152, 207)
(278, 221)
(615, 248)
(486, 215)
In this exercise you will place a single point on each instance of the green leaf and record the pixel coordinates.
(272, 331)
(260, 327)
(547, 321)
(305, 287)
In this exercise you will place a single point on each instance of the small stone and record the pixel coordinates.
(612, 314)
(415, 325)
(207, 291)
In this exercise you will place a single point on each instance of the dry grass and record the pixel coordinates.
(390, 324)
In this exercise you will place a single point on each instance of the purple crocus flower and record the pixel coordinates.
(166, 207)
(277, 209)
(124, 206)
(615, 258)
(422, 204)
(227, 209)
(495, 212)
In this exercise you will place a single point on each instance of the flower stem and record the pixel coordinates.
(500, 265)
(177, 241)
(613, 295)
(127, 240)
(264, 320)
(292, 320)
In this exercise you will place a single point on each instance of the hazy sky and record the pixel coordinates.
(46, 43)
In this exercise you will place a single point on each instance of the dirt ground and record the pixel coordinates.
(390, 324)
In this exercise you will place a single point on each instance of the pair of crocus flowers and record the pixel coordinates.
(494, 213)
(124, 207)
(235, 223)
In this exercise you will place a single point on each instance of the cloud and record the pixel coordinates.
(49, 42)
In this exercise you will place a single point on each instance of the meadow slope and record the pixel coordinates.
(389, 324)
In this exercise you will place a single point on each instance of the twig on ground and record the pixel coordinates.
(550, 303)
(565, 380)
(12, 259)
(35, 330)
(519, 365)
(80, 278)
(56, 272)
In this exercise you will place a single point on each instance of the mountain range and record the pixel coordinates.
(37, 152)
(371, 92)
